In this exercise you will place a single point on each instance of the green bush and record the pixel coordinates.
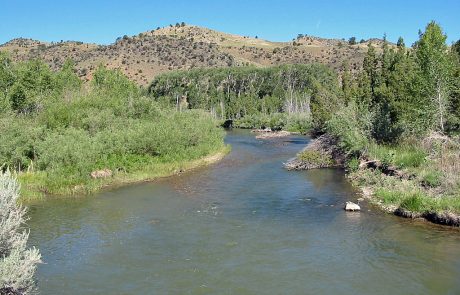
(353, 164)
(352, 126)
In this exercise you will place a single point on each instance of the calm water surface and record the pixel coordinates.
(242, 226)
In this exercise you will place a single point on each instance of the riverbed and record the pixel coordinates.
(244, 225)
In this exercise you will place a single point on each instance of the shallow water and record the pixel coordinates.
(242, 226)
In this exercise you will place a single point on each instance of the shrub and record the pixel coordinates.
(352, 127)
(298, 123)
(353, 164)
(17, 263)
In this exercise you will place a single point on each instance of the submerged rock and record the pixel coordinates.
(350, 206)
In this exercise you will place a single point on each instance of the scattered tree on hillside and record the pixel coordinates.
(352, 41)
(400, 42)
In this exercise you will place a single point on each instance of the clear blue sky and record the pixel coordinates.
(102, 21)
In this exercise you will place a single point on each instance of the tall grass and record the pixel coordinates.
(418, 201)
(401, 156)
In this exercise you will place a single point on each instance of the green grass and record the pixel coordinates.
(431, 178)
(417, 201)
(38, 185)
(401, 156)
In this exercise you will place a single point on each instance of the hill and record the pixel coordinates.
(144, 56)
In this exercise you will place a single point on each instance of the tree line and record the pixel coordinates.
(403, 92)
(309, 91)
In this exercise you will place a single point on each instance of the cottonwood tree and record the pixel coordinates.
(17, 262)
(436, 65)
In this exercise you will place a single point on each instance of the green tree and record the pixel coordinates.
(347, 81)
(352, 41)
(436, 65)
(400, 43)
(370, 66)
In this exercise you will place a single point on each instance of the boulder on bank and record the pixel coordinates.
(101, 173)
(350, 206)
(322, 152)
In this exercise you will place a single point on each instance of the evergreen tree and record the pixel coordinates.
(352, 41)
(347, 81)
(386, 60)
(401, 43)
(370, 65)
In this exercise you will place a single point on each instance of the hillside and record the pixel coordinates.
(148, 54)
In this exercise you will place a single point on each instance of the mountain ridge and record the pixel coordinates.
(145, 55)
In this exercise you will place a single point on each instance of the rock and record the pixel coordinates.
(228, 124)
(264, 130)
(101, 173)
(350, 206)
(276, 134)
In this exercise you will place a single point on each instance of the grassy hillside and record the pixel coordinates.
(144, 56)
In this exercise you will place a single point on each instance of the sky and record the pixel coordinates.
(102, 21)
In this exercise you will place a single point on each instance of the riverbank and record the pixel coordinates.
(409, 180)
(33, 184)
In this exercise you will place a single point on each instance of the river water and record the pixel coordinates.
(241, 226)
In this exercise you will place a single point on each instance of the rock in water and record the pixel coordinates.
(350, 206)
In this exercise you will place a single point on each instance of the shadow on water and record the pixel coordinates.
(242, 226)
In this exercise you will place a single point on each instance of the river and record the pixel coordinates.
(241, 226)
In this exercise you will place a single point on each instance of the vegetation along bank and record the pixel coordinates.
(397, 131)
(393, 123)
(62, 137)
